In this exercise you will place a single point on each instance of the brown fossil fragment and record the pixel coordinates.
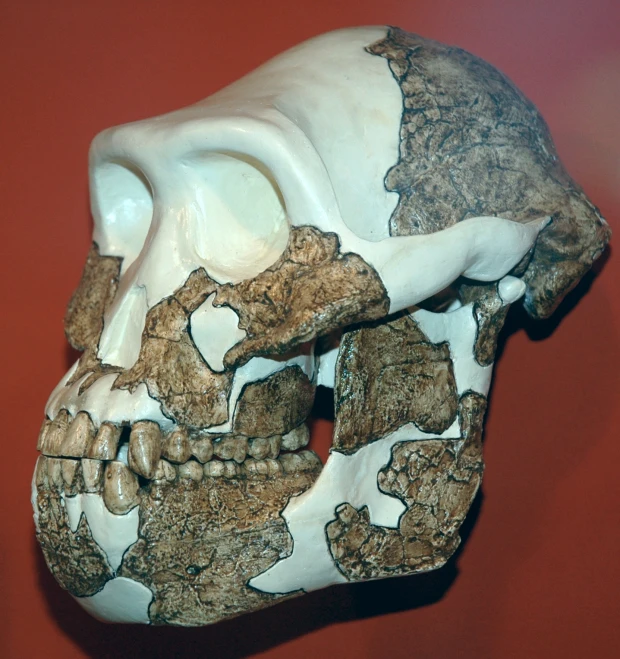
(274, 406)
(296, 438)
(231, 447)
(311, 289)
(437, 481)
(202, 448)
(120, 488)
(56, 433)
(74, 558)
(70, 470)
(490, 314)
(45, 426)
(96, 290)
(92, 474)
(106, 442)
(393, 370)
(172, 367)
(144, 448)
(176, 446)
(191, 470)
(502, 164)
(211, 537)
(79, 436)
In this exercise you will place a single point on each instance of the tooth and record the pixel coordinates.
(79, 436)
(54, 472)
(165, 471)
(256, 467)
(214, 469)
(56, 433)
(92, 471)
(231, 469)
(106, 443)
(44, 428)
(274, 468)
(176, 447)
(70, 474)
(231, 448)
(144, 448)
(259, 447)
(302, 461)
(40, 478)
(297, 438)
(120, 488)
(274, 446)
(192, 470)
(202, 449)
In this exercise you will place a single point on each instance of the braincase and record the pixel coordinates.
(471, 144)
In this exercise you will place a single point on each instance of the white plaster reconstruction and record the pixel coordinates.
(353, 478)
(106, 404)
(123, 324)
(344, 478)
(113, 533)
(327, 367)
(120, 600)
(214, 331)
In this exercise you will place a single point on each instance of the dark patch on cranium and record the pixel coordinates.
(388, 375)
(75, 559)
(200, 543)
(94, 294)
(309, 291)
(471, 144)
(275, 405)
(437, 481)
(490, 314)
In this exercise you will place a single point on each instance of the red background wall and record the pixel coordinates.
(539, 573)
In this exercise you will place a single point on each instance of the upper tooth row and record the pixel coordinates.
(77, 438)
(120, 487)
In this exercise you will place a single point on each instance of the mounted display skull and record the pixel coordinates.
(383, 191)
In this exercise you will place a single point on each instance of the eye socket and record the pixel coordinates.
(122, 208)
(244, 227)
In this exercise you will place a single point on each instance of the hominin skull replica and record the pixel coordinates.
(385, 194)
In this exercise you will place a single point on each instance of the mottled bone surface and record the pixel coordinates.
(358, 213)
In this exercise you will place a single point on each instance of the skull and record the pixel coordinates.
(358, 213)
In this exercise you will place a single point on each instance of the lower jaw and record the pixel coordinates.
(194, 537)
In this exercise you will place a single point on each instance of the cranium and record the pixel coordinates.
(382, 193)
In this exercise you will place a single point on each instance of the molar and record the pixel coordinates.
(296, 438)
(231, 448)
(259, 448)
(297, 462)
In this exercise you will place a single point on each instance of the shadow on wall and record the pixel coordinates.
(257, 632)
